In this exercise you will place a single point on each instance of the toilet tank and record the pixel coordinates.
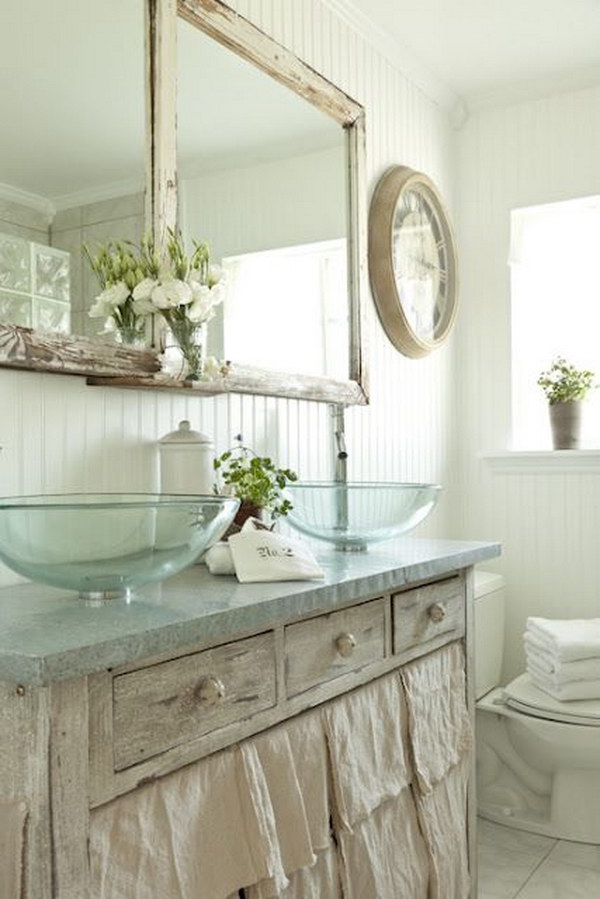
(489, 589)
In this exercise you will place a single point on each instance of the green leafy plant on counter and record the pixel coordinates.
(563, 383)
(255, 480)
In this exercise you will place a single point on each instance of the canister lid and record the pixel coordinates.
(184, 434)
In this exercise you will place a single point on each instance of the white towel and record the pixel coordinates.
(559, 672)
(581, 689)
(567, 640)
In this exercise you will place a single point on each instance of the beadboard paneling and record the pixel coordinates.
(510, 157)
(59, 435)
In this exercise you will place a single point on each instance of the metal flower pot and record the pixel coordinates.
(565, 422)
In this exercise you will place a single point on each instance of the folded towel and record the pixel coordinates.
(219, 559)
(568, 640)
(559, 672)
(565, 692)
(261, 555)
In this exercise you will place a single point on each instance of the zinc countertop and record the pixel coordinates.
(48, 634)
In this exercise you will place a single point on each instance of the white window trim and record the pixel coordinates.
(543, 461)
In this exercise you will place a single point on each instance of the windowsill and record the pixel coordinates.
(544, 461)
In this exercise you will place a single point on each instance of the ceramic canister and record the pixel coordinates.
(186, 461)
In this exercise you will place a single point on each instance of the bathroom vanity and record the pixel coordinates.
(98, 702)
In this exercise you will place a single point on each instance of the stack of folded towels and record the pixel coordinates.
(563, 657)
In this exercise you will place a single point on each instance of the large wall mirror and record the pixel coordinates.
(266, 184)
(200, 122)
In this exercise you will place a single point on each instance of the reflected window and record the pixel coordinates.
(297, 291)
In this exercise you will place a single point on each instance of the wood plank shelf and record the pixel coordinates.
(242, 379)
(201, 388)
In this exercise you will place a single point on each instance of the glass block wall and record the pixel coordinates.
(34, 285)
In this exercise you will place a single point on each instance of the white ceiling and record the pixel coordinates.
(484, 50)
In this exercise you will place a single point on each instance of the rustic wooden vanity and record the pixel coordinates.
(98, 701)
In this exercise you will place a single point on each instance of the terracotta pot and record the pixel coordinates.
(565, 421)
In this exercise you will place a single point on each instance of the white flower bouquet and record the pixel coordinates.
(184, 290)
(118, 272)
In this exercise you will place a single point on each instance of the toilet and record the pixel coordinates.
(538, 759)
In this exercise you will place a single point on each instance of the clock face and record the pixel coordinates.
(419, 254)
(412, 261)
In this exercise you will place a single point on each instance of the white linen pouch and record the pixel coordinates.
(261, 555)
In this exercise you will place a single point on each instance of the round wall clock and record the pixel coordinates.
(412, 261)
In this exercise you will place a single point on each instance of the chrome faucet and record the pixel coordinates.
(341, 453)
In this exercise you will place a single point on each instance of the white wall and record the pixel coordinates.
(283, 202)
(60, 435)
(120, 218)
(525, 154)
(19, 220)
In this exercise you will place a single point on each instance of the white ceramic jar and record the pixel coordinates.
(186, 461)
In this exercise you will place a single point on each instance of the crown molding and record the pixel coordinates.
(396, 53)
(97, 194)
(32, 201)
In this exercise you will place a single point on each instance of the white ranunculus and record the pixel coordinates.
(116, 295)
(143, 290)
(202, 303)
(172, 293)
(218, 293)
(144, 307)
(109, 300)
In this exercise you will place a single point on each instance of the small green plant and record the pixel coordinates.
(563, 383)
(255, 480)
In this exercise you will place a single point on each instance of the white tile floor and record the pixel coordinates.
(514, 864)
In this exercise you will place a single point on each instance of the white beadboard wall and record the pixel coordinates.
(59, 435)
(549, 522)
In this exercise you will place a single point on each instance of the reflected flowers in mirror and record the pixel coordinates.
(185, 291)
(117, 268)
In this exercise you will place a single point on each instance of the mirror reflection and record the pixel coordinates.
(72, 162)
(262, 178)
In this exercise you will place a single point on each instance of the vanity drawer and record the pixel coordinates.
(428, 616)
(173, 702)
(325, 647)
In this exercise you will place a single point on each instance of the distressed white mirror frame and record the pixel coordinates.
(237, 34)
(108, 364)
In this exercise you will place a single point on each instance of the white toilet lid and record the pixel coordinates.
(523, 696)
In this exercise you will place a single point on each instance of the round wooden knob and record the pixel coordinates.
(210, 690)
(345, 645)
(436, 612)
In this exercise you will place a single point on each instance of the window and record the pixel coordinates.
(555, 291)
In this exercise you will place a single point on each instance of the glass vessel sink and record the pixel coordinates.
(354, 515)
(105, 545)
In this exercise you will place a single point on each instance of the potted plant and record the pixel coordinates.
(256, 481)
(565, 387)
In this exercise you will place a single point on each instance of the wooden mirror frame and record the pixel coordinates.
(388, 191)
(111, 365)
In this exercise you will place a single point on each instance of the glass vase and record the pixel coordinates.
(184, 351)
(132, 337)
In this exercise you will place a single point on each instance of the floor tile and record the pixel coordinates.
(495, 835)
(585, 855)
(557, 881)
(503, 871)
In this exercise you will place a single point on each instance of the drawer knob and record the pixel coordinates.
(436, 612)
(210, 690)
(345, 645)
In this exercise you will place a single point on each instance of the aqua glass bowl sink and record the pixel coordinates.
(105, 545)
(354, 515)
